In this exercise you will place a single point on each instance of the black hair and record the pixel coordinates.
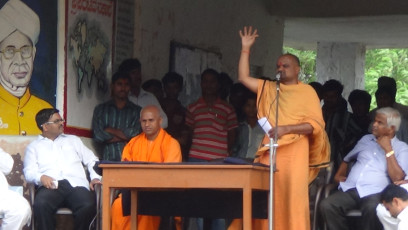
(120, 75)
(387, 90)
(130, 64)
(250, 95)
(210, 71)
(393, 191)
(152, 82)
(44, 115)
(172, 77)
(359, 94)
(333, 85)
(318, 87)
(385, 81)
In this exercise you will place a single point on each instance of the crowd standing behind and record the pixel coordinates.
(344, 128)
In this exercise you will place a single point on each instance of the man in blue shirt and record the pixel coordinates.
(380, 158)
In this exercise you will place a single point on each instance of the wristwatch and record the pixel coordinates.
(390, 153)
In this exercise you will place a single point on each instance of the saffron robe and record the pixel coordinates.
(298, 157)
(163, 149)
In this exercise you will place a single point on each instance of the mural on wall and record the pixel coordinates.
(89, 60)
(28, 63)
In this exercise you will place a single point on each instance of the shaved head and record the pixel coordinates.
(294, 57)
(150, 108)
(150, 120)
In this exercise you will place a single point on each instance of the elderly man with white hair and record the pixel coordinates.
(380, 159)
(15, 208)
(19, 31)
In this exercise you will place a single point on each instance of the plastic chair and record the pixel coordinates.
(330, 188)
(327, 174)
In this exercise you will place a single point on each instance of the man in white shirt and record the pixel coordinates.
(395, 200)
(55, 162)
(137, 94)
(15, 208)
(389, 222)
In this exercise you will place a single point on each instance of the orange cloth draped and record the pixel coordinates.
(163, 149)
(298, 157)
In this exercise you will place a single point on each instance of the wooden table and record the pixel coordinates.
(181, 176)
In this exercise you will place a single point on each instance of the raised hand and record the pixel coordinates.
(248, 37)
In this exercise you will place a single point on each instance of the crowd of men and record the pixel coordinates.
(147, 122)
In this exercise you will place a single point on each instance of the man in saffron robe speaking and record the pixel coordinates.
(302, 141)
(153, 145)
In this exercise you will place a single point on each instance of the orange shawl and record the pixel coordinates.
(297, 104)
(163, 149)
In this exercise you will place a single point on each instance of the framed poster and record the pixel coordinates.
(29, 81)
(89, 42)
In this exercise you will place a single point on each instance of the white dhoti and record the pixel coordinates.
(16, 210)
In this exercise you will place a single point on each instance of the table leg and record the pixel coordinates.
(133, 210)
(106, 207)
(247, 208)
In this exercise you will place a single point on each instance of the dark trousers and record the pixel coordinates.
(81, 201)
(334, 208)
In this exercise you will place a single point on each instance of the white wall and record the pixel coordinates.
(343, 62)
(206, 24)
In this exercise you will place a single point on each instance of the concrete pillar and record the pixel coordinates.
(341, 61)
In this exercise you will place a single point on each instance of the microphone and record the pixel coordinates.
(278, 76)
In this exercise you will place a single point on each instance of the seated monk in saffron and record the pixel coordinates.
(152, 145)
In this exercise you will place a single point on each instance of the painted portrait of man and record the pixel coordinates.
(19, 35)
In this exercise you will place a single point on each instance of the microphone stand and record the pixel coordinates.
(273, 144)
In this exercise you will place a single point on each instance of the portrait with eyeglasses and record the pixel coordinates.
(16, 62)
(23, 87)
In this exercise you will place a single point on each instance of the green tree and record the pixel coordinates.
(387, 62)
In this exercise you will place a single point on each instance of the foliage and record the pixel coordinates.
(307, 63)
(387, 62)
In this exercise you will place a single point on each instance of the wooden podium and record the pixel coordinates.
(173, 177)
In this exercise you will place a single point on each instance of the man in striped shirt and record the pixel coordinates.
(116, 121)
(212, 120)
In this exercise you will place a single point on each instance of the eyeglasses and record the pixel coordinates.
(10, 51)
(55, 122)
